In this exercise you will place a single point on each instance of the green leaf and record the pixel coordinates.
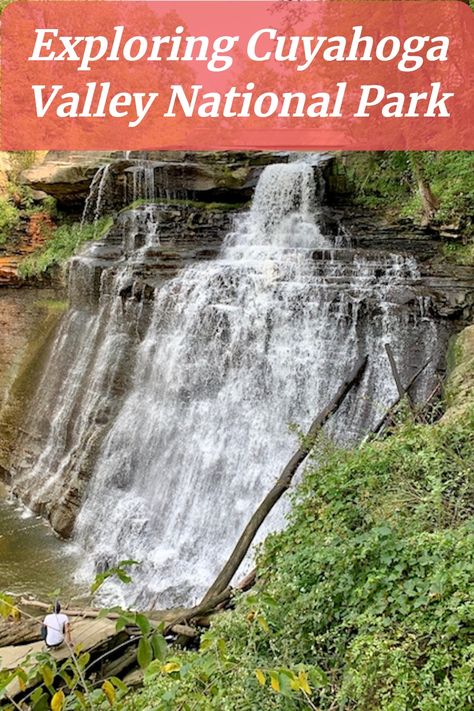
(48, 675)
(275, 681)
(121, 624)
(84, 660)
(160, 647)
(144, 653)
(263, 623)
(123, 576)
(70, 681)
(143, 623)
(222, 649)
(153, 669)
(37, 694)
(41, 701)
(119, 684)
(303, 681)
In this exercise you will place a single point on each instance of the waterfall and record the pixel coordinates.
(94, 207)
(143, 182)
(196, 414)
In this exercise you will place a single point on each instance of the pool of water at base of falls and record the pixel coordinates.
(33, 561)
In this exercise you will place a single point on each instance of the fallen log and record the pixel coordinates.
(14, 632)
(184, 631)
(203, 609)
(247, 582)
(86, 613)
(283, 483)
(391, 410)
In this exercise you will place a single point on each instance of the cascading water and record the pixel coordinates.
(235, 350)
(143, 182)
(95, 203)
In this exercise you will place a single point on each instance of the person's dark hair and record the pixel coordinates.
(57, 607)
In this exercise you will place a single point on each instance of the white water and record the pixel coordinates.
(143, 182)
(237, 349)
(95, 202)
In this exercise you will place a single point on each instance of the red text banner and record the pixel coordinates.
(233, 75)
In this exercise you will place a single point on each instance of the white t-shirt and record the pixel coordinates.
(56, 625)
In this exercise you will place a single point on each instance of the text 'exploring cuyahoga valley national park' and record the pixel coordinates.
(314, 75)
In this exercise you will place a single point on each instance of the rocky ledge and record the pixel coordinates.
(222, 177)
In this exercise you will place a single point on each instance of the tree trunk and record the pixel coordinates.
(391, 409)
(429, 202)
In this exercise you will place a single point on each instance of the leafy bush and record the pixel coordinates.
(388, 179)
(9, 219)
(20, 161)
(63, 244)
(364, 601)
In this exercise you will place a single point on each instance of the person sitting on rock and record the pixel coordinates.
(57, 628)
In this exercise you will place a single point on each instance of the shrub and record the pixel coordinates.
(9, 219)
(63, 244)
(366, 597)
(387, 179)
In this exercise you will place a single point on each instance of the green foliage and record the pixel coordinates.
(119, 571)
(460, 253)
(3, 4)
(365, 599)
(9, 218)
(63, 244)
(451, 177)
(387, 179)
(16, 206)
(20, 161)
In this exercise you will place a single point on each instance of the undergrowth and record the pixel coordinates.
(387, 179)
(364, 602)
(63, 243)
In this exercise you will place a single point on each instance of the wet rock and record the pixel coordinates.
(63, 515)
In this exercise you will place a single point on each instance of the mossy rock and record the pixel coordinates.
(459, 391)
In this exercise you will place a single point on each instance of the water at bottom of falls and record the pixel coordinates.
(33, 561)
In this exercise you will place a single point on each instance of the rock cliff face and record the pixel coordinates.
(459, 389)
(28, 318)
(190, 201)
